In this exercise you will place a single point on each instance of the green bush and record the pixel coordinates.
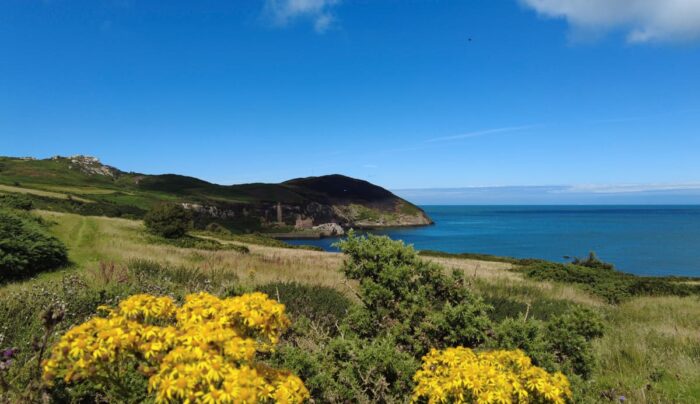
(168, 220)
(350, 369)
(612, 285)
(26, 248)
(410, 298)
(592, 261)
(569, 337)
(14, 201)
(323, 305)
(562, 344)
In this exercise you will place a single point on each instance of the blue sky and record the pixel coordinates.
(406, 94)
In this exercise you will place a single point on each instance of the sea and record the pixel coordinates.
(644, 240)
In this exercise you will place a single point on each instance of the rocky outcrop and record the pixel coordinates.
(329, 229)
(209, 210)
(91, 166)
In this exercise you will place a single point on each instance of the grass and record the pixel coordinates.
(650, 352)
(39, 192)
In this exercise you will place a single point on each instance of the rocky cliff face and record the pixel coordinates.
(88, 165)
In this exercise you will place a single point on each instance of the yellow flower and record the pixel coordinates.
(203, 351)
(459, 375)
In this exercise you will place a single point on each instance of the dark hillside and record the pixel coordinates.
(84, 185)
(339, 188)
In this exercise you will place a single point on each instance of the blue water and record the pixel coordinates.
(644, 240)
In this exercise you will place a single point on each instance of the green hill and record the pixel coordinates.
(82, 184)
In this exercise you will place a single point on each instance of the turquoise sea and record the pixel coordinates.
(644, 240)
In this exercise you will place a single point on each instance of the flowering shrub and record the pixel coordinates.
(203, 351)
(459, 375)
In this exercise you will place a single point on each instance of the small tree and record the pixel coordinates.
(168, 220)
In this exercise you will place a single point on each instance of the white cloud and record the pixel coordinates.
(319, 12)
(641, 20)
(480, 133)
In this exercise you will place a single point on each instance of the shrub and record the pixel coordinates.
(26, 248)
(14, 201)
(351, 369)
(204, 350)
(527, 335)
(323, 305)
(592, 261)
(410, 298)
(614, 286)
(458, 375)
(168, 220)
(568, 336)
(561, 344)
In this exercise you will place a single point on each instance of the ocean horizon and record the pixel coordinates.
(653, 240)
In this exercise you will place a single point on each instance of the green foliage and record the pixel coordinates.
(528, 335)
(470, 256)
(541, 308)
(562, 344)
(157, 279)
(568, 336)
(26, 248)
(96, 208)
(32, 316)
(168, 220)
(324, 306)
(15, 201)
(410, 298)
(348, 369)
(613, 286)
(592, 261)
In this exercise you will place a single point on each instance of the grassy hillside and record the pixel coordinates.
(83, 185)
(648, 352)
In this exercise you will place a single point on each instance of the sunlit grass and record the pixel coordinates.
(650, 352)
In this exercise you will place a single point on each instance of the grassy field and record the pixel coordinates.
(650, 352)
(39, 192)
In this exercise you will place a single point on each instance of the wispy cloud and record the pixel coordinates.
(318, 12)
(641, 20)
(688, 193)
(480, 133)
(630, 188)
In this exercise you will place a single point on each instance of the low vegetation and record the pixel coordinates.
(602, 280)
(26, 248)
(361, 322)
(214, 230)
